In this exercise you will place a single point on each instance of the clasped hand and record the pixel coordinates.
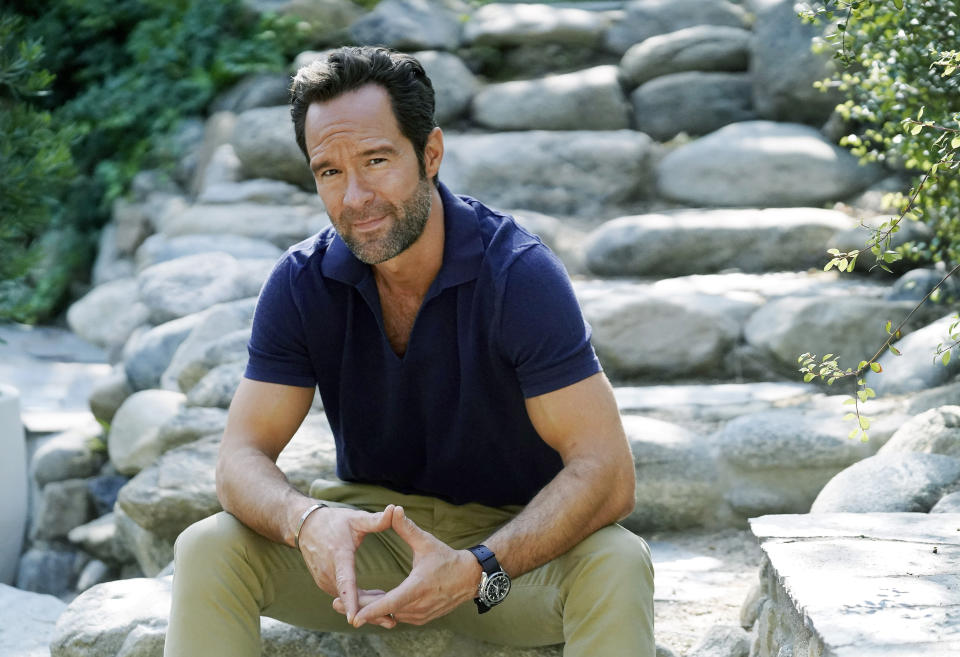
(440, 578)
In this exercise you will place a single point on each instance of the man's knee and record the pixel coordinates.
(618, 554)
(210, 540)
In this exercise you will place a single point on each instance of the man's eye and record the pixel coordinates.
(327, 173)
(377, 160)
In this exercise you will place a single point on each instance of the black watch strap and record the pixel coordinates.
(490, 567)
(486, 558)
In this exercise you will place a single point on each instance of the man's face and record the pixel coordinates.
(367, 173)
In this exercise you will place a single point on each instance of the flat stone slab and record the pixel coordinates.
(869, 584)
(54, 370)
(712, 402)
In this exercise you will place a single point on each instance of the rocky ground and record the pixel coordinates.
(702, 579)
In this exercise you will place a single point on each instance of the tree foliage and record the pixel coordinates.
(95, 87)
(900, 59)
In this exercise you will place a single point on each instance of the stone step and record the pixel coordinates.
(859, 585)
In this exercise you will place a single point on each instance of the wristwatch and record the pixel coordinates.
(494, 583)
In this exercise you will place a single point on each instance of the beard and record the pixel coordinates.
(409, 220)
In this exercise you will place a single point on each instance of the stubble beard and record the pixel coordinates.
(409, 220)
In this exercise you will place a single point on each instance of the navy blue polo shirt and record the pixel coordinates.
(499, 324)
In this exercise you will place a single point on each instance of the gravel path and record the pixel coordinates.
(702, 578)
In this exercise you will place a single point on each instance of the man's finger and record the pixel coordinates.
(372, 523)
(407, 529)
(387, 604)
(346, 582)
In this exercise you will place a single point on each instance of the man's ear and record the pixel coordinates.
(433, 152)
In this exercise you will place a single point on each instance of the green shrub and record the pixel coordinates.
(87, 101)
(900, 53)
(36, 170)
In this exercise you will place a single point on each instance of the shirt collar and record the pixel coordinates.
(462, 249)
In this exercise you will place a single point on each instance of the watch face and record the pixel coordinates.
(495, 589)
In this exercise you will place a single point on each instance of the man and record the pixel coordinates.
(481, 444)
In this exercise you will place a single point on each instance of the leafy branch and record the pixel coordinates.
(947, 146)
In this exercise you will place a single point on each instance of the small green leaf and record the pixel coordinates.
(955, 142)
(946, 358)
(828, 357)
(849, 401)
(808, 377)
(864, 423)
(896, 352)
(853, 433)
(849, 416)
(875, 367)
(916, 129)
(889, 326)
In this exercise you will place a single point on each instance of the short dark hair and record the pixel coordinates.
(349, 68)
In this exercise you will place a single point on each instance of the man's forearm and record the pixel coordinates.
(251, 487)
(585, 496)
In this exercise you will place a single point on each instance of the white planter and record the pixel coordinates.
(13, 483)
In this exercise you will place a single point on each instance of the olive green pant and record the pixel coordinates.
(597, 598)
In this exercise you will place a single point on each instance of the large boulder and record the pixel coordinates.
(133, 441)
(28, 622)
(68, 455)
(191, 424)
(63, 506)
(917, 368)
(162, 248)
(189, 284)
(580, 172)
(264, 141)
(281, 225)
(151, 553)
(500, 25)
(100, 538)
(784, 67)
(147, 354)
(410, 25)
(115, 618)
(890, 483)
(647, 18)
(761, 163)
(220, 336)
(703, 241)
(109, 393)
(326, 20)
(258, 90)
(180, 488)
(723, 641)
(692, 102)
(782, 458)
(851, 328)
(108, 314)
(49, 568)
(217, 387)
(453, 84)
(584, 100)
(700, 48)
(948, 504)
(640, 330)
(256, 190)
(936, 431)
(128, 618)
(678, 483)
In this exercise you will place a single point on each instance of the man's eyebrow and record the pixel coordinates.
(378, 150)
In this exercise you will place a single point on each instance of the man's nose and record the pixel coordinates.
(358, 193)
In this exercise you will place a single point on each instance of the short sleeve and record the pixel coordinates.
(542, 330)
(278, 348)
